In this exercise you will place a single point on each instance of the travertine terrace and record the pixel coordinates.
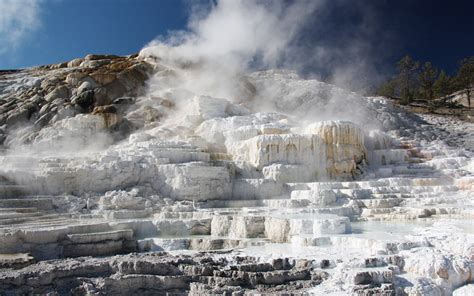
(117, 177)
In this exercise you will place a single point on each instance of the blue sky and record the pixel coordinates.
(67, 29)
(36, 32)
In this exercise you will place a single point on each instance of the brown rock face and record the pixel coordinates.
(104, 109)
(104, 78)
(109, 113)
(83, 84)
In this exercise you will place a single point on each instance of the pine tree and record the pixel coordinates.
(443, 86)
(387, 89)
(407, 69)
(465, 77)
(427, 78)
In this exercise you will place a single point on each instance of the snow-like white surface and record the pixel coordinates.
(285, 173)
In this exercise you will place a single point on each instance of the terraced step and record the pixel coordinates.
(284, 203)
(85, 238)
(103, 248)
(405, 171)
(128, 214)
(18, 210)
(371, 276)
(16, 261)
(369, 193)
(244, 189)
(416, 160)
(330, 196)
(243, 203)
(382, 182)
(381, 203)
(413, 170)
(39, 203)
(178, 227)
(421, 195)
(233, 203)
(49, 223)
(152, 284)
(401, 213)
(38, 219)
(388, 157)
(12, 190)
(385, 240)
(12, 215)
(4, 180)
(185, 215)
(198, 243)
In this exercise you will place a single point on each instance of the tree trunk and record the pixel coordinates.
(468, 92)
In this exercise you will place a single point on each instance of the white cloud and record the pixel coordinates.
(18, 20)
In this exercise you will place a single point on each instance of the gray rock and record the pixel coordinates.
(59, 92)
(94, 57)
(75, 62)
(21, 114)
(85, 86)
(133, 77)
(75, 78)
(15, 260)
(104, 78)
(157, 273)
(115, 89)
(43, 120)
(124, 101)
(66, 112)
(36, 99)
(58, 66)
(101, 97)
(94, 63)
(85, 100)
(44, 109)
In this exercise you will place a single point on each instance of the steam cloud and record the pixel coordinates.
(309, 36)
(236, 37)
(233, 37)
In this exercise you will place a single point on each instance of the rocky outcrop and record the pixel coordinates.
(161, 273)
(50, 93)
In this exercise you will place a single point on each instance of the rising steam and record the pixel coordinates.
(235, 36)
